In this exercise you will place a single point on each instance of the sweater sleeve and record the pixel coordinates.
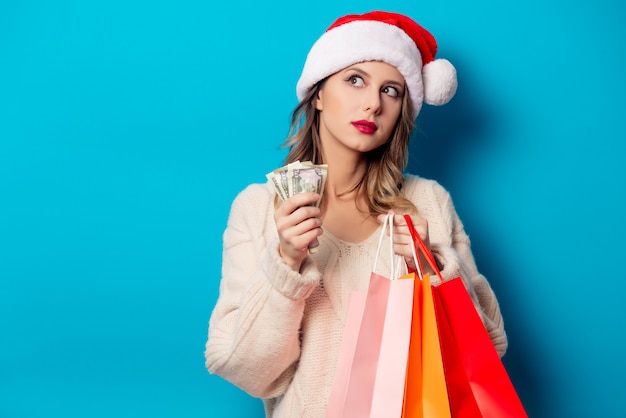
(457, 260)
(253, 338)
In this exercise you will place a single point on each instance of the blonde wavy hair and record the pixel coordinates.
(383, 178)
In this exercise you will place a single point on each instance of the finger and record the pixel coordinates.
(403, 247)
(421, 228)
(383, 217)
(298, 200)
(291, 227)
(297, 217)
(301, 242)
(419, 223)
(400, 228)
(303, 227)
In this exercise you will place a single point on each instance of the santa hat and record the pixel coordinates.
(382, 36)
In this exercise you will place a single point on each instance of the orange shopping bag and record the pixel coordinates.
(426, 394)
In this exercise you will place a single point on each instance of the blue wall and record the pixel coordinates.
(126, 128)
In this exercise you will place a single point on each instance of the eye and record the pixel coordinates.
(391, 91)
(356, 80)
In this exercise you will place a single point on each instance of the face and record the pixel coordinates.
(360, 105)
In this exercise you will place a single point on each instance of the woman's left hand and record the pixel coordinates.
(402, 241)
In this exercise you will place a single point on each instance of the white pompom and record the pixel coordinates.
(440, 82)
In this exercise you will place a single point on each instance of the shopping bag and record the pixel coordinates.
(462, 401)
(336, 400)
(426, 394)
(490, 383)
(376, 385)
(477, 381)
(371, 369)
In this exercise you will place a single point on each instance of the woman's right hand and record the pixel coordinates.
(299, 224)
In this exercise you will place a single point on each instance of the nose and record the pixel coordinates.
(372, 101)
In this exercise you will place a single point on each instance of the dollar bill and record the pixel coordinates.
(277, 186)
(306, 179)
(283, 177)
(298, 177)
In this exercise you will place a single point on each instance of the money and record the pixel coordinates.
(299, 177)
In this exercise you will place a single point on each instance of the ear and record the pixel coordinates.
(318, 100)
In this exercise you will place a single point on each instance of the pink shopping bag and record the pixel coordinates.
(371, 369)
(346, 355)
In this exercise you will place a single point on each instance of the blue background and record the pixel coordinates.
(127, 128)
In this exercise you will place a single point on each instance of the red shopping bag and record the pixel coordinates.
(462, 401)
(477, 381)
(490, 383)
(371, 369)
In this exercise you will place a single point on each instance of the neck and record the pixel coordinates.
(344, 172)
(345, 211)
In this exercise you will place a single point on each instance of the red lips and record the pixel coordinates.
(365, 126)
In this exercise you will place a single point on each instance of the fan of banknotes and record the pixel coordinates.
(298, 177)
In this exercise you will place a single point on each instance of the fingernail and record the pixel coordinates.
(313, 247)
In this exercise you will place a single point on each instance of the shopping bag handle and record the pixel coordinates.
(420, 245)
(418, 264)
(388, 220)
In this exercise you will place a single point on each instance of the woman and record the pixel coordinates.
(276, 329)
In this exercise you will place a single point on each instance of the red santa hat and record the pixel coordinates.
(382, 36)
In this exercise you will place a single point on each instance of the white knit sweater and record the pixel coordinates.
(276, 333)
